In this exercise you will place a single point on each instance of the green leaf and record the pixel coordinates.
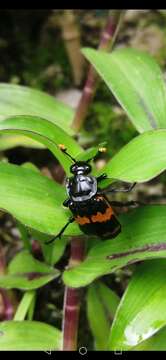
(141, 312)
(109, 298)
(29, 165)
(24, 305)
(136, 81)
(10, 141)
(27, 273)
(22, 100)
(24, 235)
(90, 152)
(155, 343)
(101, 301)
(27, 281)
(31, 309)
(34, 200)
(140, 160)
(143, 236)
(24, 262)
(29, 335)
(54, 251)
(43, 131)
(98, 321)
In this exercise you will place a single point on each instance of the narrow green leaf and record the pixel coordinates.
(54, 251)
(10, 141)
(109, 298)
(91, 152)
(27, 273)
(101, 306)
(24, 262)
(141, 312)
(155, 343)
(24, 235)
(140, 160)
(29, 335)
(99, 322)
(31, 309)
(143, 236)
(24, 305)
(34, 200)
(27, 281)
(136, 81)
(22, 100)
(43, 131)
(29, 165)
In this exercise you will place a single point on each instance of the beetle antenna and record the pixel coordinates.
(100, 150)
(64, 150)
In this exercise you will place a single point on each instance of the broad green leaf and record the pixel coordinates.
(29, 335)
(141, 312)
(43, 131)
(22, 100)
(136, 81)
(34, 200)
(143, 236)
(155, 343)
(27, 273)
(24, 305)
(143, 158)
(101, 301)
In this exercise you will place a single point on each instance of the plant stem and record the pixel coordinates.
(72, 299)
(7, 310)
(8, 306)
(24, 305)
(107, 40)
(71, 36)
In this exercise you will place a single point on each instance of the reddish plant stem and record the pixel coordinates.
(106, 42)
(2, 261)
(7, 309)
(72, 299)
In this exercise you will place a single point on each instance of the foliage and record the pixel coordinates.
(35, 202)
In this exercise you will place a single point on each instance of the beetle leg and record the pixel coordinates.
(118, 190)
(128, 203)
(101, 177)
(66, 202)
(71, 219)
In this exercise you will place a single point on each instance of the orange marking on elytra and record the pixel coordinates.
(82, 220)
(99, 217)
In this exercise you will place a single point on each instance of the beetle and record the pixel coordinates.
(89, 205)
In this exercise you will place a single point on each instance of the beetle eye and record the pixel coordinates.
(88, 169)
(72, 169)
